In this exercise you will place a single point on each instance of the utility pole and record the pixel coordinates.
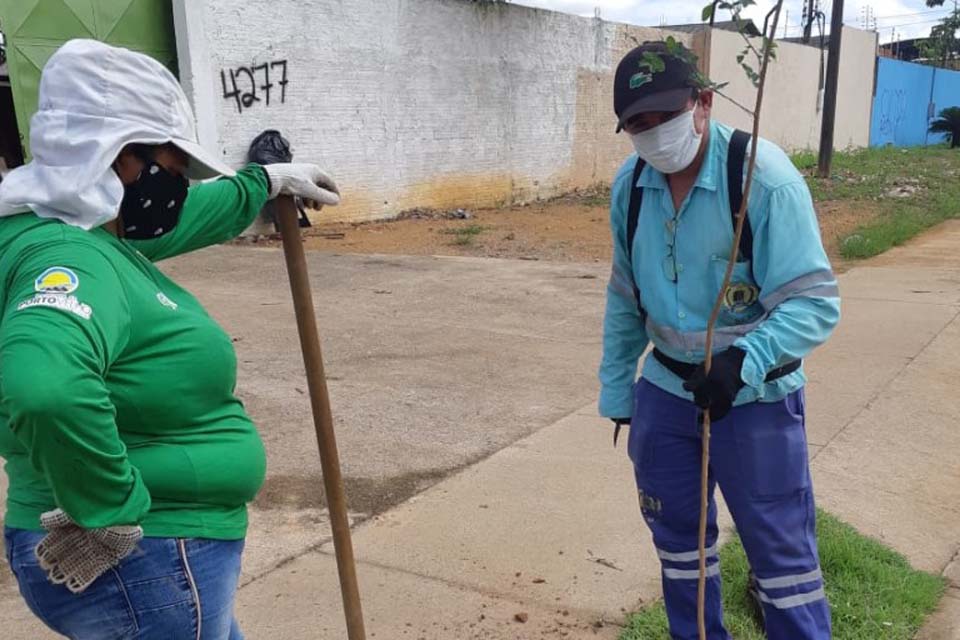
(868, 18)
(809, 14)
(786, 23)
(830, 99)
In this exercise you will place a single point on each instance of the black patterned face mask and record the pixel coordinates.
(151, 206)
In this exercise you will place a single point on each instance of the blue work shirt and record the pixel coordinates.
(777, 309)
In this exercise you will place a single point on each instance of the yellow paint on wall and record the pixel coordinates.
(479, 190)
(356, 205)
(446, 192)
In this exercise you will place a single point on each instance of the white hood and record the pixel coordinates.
(94, 100)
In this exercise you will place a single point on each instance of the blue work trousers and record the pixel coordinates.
(758, 456)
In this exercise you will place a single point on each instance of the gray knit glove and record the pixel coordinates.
(75, 557)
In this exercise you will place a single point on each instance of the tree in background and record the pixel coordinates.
(942, 46)
(948, 123)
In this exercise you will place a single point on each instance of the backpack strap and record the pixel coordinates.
(633, 211)
(736, 155)
(633, 218)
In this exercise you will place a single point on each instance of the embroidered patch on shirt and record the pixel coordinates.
(57, 280)
(60, 301)
(739, 296)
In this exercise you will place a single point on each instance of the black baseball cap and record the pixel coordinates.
(639, 89)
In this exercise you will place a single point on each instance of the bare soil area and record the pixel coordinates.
(570, 229)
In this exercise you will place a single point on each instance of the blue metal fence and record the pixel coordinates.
(908, 96)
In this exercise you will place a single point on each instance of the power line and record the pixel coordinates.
(881, 28)
(910, 15)
(909, 24)
(933, 19)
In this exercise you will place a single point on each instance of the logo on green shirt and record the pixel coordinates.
(57, 280)
(167, 302)
(60, 301)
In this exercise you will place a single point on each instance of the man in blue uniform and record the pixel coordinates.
(672, 224)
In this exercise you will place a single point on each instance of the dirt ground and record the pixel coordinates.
(570, 229)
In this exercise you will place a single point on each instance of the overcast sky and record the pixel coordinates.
(910, 18)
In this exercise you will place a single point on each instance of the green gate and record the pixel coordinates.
(36, 28)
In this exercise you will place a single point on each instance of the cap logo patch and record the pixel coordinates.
(650, 64)
(637, 80)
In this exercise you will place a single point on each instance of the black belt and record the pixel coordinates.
(684, 370)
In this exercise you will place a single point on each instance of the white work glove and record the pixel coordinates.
(75, 557)
(308, 181)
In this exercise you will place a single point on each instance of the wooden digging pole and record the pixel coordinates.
(322, 416)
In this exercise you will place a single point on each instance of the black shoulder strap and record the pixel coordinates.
(736, 156)
(633, 217)
(633, 211)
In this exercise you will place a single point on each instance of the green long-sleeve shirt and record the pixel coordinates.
(116, 387)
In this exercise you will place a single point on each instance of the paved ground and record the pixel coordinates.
(547, 526)
(433, 364)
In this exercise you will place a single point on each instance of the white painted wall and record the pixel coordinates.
(448, 103)
(790, 116)
(858, 63)
(416, 103)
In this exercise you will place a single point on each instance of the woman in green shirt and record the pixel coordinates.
(130, 459)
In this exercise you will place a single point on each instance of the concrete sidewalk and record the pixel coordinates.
(549, 527)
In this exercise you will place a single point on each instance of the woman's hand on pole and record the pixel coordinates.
(308, 181)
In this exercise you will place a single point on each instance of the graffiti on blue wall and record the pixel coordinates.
(891, 110)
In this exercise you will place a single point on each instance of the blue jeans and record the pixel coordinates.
(167, 589)
(758, 457)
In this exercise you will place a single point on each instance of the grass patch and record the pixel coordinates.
(597, 195)
(596, 200)
(873, 591)
(912, 190)
(464, 236)
(804, 160)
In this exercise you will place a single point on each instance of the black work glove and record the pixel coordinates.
(620, 423)
(719, 389)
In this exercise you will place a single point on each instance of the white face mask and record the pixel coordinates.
(671, 146)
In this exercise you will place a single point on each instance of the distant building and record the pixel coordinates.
(910, 51)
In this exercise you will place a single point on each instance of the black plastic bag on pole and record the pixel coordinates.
(270, 147)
